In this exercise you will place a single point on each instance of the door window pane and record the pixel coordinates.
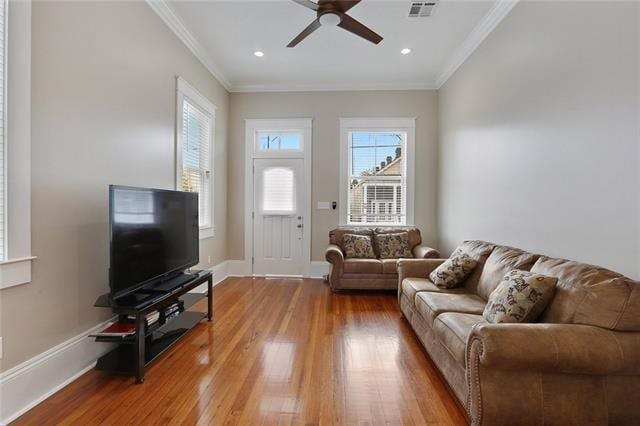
(278, 191)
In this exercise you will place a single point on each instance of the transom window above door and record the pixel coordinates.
(280, 141)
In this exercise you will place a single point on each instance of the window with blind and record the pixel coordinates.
(3, 203)
(376, 178)
(195, 143)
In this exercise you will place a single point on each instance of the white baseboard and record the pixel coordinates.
(26, 385)
(242, 268)
(318, 269)
(220, 273)
(238, 268)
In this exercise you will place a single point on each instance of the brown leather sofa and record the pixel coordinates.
(579, 364)
(369, 274)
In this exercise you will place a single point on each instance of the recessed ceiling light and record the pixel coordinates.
(258, 53)
(405, 51)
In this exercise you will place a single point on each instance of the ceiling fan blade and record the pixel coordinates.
(353, 26)
(340, 5)
(305, 33)
(308, 4)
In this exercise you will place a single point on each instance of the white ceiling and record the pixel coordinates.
(224, 34)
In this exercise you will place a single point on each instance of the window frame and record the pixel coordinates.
(15, 268)
(402, 124)
(185, 91)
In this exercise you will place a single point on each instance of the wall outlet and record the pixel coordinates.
(0, 347)
(209, 260)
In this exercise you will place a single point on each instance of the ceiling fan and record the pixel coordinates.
(334, 13)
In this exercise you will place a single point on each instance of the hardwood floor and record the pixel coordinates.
(278, 352)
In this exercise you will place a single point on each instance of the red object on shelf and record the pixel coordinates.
(119, 329)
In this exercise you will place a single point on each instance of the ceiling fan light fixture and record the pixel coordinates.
(405, 51)
(258, 53)
(329, 19)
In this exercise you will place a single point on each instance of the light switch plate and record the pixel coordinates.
(324, 205)
(1, 348)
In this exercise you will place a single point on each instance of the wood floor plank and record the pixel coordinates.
(278, 352)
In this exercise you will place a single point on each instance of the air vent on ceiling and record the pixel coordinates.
(422, 9)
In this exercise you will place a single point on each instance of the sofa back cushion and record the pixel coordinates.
(479, 251)
(502, 260)
(336, 236)
(591, 295)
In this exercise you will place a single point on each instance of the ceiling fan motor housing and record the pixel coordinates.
(329, 18)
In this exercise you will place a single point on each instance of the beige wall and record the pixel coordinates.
(326, 108)
(103, 111)
(539, 136)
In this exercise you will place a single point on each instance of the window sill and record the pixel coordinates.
(15, 272)
(209, 232)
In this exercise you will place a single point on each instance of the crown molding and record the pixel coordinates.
(489, 22)
(256, 88)
(166, 13)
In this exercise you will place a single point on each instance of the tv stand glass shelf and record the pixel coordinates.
(134, 352)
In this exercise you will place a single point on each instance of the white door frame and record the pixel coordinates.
(252, 152)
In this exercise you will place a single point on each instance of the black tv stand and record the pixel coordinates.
(133, 353)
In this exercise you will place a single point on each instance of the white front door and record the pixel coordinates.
(278, 219)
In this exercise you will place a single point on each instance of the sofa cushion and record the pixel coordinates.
(521, 296)
(453, 271)
(414, 235)
(452, 330)
(358, 246)
(591, 295)
(431, 304)
(480, 251)
(502, 260)
(411, 286)
(336, 236)
(362, 266)
(393, 245)
(389, 266)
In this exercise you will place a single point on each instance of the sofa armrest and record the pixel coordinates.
(555, 348)
(424, 252)
(573, 374)
(416, 268)
(334, 255)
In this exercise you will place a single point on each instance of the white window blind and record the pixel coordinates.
(376, 178)
(278, 191)
(196, 156)
(3, 204)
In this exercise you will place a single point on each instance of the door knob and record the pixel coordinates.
(299, 225)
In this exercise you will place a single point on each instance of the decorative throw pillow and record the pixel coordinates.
(521, 296)
(358, 246)
(454, 270)
(394, 246)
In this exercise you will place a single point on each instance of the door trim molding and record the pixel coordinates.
(251, 126)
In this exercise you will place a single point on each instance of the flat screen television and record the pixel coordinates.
(153, 235)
